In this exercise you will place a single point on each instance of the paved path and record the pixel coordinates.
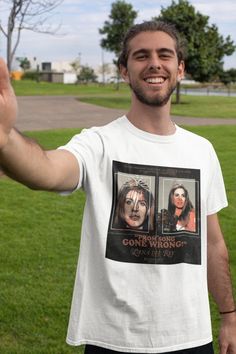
(52, 112)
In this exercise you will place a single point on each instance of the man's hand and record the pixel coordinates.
(8, 105)
(227, 338)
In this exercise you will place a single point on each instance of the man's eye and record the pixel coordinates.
(141, 57)
(165, 56)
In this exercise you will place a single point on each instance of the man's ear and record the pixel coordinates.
(124, 73)
(181, 68)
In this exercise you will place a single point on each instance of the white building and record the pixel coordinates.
(60, 71)
(62, 66)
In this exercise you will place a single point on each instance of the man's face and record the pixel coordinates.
(179, 198)
(152, 68)
(135, 209)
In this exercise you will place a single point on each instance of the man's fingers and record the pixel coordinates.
(223, 348)
(8, 103)
(4, 76)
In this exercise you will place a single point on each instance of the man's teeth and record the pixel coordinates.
(156, 80)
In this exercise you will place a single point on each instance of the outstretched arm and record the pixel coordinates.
(23, 159)
(220, 286)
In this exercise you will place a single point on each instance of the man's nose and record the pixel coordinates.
(154, 63)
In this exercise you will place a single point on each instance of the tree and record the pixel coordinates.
(86, 75)
(228, 76)
(232, 73)
(24, 63)
(26, 15)
(206, 48)
(122, 16)
(76, 66)
(104, 69)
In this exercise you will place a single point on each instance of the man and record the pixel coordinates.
(149, 293)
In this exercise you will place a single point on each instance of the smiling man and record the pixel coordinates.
(154, 83)
(137, 290)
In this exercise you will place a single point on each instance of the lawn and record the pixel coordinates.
(32, 88)
(39, 249)
(40, 245)
(108, 96)
(190, 106)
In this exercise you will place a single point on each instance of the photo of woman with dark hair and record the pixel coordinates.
(134, 208)
(181, 208)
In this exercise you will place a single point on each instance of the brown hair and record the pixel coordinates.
(151, 26)
(138, 186)
(188, 206)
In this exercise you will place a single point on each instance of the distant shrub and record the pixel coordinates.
(31, 75)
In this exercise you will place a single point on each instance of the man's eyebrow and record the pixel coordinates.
(166, 50)
(146, 50)
(140, 51)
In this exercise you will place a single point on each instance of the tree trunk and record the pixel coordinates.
(117, 80)
(9, 46)
(19, 11)
(178, 93)
(10, 28)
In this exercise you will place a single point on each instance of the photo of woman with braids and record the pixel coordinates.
(181, 208)
(134, 208)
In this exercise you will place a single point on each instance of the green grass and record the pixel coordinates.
(40, 237)
(40, 245)
(108, 96)
(32, 88)
(206, 107)
(190, 106)
(224, 141)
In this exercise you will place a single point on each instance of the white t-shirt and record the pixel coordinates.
(141, 282)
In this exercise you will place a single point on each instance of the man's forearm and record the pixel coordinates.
(23, 160)
(220, 285)
(219, 279)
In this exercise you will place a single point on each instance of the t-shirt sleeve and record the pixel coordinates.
(87, 147)
(216, 199)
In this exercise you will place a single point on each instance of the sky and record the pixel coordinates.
(80, 20)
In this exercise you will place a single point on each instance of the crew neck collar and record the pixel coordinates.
(149, 136)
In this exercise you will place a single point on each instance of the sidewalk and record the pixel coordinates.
(55, 112)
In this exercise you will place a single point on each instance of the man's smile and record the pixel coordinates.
(155, 80)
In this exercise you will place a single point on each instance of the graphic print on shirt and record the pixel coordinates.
(155, 215)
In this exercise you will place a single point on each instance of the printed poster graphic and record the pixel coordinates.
(155, 215)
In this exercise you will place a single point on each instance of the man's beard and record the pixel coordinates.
(156, 101)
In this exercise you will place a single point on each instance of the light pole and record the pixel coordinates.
(79, 55)
(103, 68)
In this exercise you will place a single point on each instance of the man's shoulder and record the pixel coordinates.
(109, 127)
(194, 138)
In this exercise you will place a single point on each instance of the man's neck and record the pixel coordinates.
(154, 120)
